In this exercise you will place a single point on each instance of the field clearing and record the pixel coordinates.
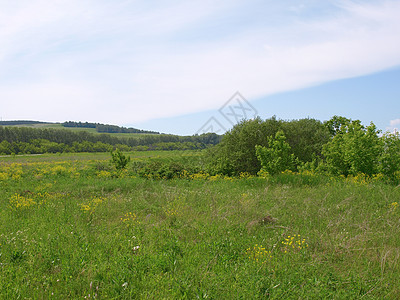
(73, 230)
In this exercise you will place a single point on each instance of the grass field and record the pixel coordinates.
(100, 156)
(72, 230)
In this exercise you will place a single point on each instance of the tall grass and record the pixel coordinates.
(69, 231)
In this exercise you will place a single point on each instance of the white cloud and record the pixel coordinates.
(124, 62)
(394, 126)
(394, 122)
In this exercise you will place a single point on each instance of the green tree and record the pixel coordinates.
(354, 149)
(236, 153)
(277, 157)
(389, 161)
(337, 124)
(6, 148)
(306, 138)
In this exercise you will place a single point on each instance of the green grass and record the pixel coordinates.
(68, 233)
(101, 156)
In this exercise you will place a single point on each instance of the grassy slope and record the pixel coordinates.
(196, 238)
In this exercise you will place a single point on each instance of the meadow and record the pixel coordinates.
(73, 227)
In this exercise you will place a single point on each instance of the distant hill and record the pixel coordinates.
(106, 128)
(21, 122)
(91, 127)
(34, 137)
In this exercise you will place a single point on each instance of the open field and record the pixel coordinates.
(97, 156)
(71, 227)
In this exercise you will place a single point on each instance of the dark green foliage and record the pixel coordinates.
(236, 152)
(24, 140)
(118, 129)
(389, 161)
(339, 146)
(306, 138)
(26, 134)
(20, 122)
(106, 128)
(119, 160)
(79, 124)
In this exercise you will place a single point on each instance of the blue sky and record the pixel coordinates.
(170, 65)
(370, 98)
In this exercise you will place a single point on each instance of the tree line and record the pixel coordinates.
(237, 153)
(20, 122)
(339, 146)
(25, 140)
(105, 128)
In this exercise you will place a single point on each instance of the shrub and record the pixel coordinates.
(119, 160)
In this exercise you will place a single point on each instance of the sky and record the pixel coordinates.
(183, 67)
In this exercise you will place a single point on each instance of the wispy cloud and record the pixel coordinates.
(130, 61)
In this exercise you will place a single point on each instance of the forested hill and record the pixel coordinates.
(99, 127)
(28, 140)
(105, 128)
(20, 123)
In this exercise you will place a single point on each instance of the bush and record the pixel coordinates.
(119, 160)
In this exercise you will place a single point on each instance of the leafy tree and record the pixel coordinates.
(277, 157)
(389, 161)
(334, 154)
(306, 138)
(337, 124)
(236, 153)
(6, 148)
(354, 149)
